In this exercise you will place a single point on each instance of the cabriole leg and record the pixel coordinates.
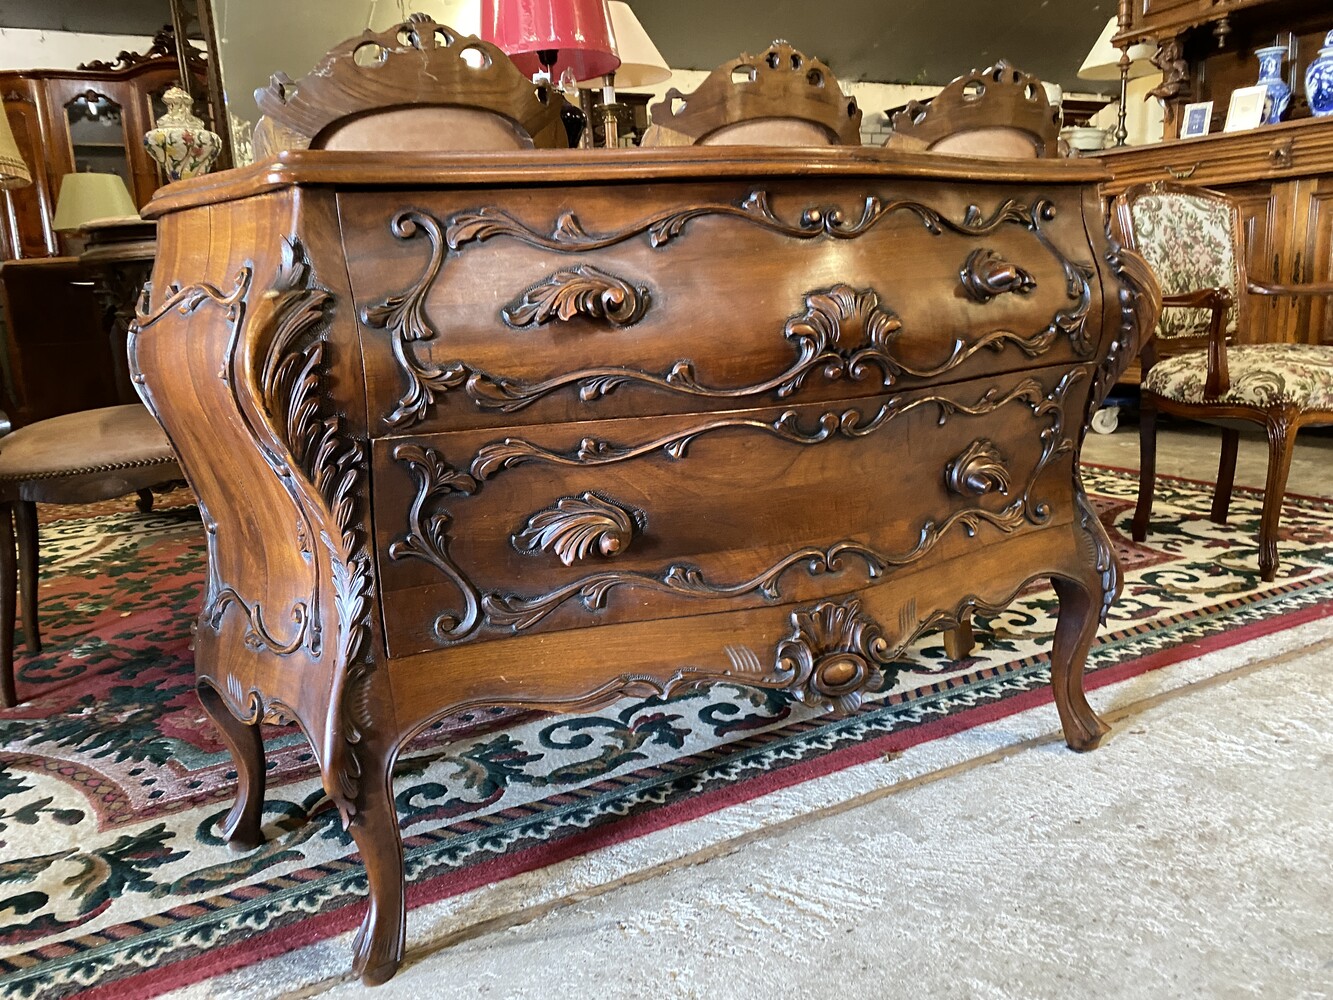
(378, 947)
(242, 827)
(1080, 604)
(1281, 443)
(8, 585)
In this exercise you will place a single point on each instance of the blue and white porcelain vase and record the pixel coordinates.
(1319, 80)
(1270, 76)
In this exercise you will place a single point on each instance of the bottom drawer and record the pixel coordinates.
(482, 534)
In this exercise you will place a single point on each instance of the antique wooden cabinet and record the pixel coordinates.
(548, 428)
(1206, 47)
(92, 118)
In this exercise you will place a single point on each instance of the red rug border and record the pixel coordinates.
(281, 940)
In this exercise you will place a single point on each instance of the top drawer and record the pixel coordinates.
(486, 308)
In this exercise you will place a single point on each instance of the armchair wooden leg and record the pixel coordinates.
(25, 516)
(145, 501)
(1281, 443)
(1226, 476)
(8, 584)
(1147, 468)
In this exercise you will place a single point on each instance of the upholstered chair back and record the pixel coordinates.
(1189, 239)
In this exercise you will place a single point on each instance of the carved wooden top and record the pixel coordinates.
(594, 166)
(780, 85)
(997, 111)
(163, 47)
(411, 68)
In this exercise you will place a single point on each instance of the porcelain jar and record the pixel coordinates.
(179, 141)
(1319, 80)
(1270, 76)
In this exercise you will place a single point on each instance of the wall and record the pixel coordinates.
(29, 48)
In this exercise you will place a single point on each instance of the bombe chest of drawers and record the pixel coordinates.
(548, 429)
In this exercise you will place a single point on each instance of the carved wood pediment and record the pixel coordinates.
(413, 64)
(781, 83)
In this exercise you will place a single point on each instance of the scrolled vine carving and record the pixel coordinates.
(576, 528)
(428, 536)
(517, 612)
(579, 291)
(403, 315)
(979, 470)
(985, 275)
(835, 654)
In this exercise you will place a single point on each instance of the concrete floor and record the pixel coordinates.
(1186, 858)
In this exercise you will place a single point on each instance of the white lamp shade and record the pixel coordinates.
(641, 65)
(1103, 62)
(86, 198)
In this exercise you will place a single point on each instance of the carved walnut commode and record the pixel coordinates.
(549, 428)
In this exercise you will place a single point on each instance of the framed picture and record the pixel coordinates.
(1197, 119)
(1246, 109)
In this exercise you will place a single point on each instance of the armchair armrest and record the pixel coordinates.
(1218, 301)
(1305, 288)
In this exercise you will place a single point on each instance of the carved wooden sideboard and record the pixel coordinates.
(548, 428)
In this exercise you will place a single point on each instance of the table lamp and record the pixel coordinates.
(641, 65)
(1106, 62)
(90, 197)
(549, 36)
(13, 168)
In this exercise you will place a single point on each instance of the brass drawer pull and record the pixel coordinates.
(576, 528)
(581, 290)
(1184, 173)
(986, 274)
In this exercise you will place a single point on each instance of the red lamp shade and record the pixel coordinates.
(578, 32)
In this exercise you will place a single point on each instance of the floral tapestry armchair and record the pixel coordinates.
(1198, 365)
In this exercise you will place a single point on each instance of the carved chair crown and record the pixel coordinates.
(1192, 239)
(417, 85)
(780, 97)
(997, 111)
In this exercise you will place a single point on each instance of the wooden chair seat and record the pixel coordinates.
(76, 458)
(1262, 375)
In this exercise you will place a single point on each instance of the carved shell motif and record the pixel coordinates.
(577, 527)
(979, 470)
(834, 655)
(581, 290)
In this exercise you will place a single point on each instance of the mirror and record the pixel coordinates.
(97, 136)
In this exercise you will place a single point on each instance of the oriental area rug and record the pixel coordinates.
(113, 879)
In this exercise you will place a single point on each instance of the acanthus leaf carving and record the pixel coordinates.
(403, 315)
(576, 528)
(579, 291)
(835, 654)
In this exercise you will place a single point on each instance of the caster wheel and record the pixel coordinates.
(1105, 420)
